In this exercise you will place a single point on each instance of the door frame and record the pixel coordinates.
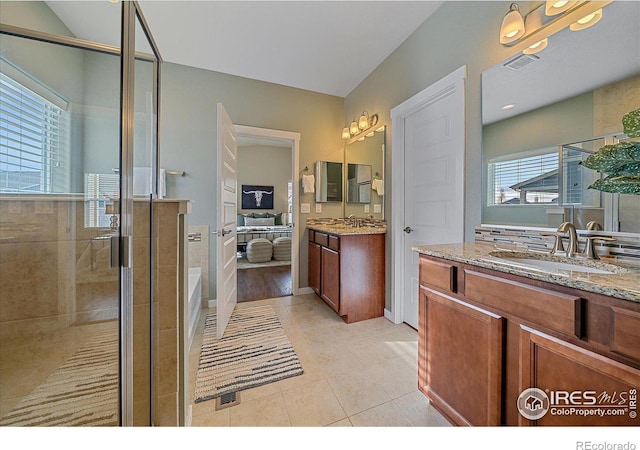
(398, 116)
(294, 139)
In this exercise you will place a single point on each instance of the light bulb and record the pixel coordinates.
(353, 128)
(512, 27)
(537, 47)
(587, 21)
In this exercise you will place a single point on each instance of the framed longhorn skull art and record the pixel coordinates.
(257, 197)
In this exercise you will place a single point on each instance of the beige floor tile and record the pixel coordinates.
(205, 415)
(313, 405)
(416, 407)
(395, 377)
(341, 423)
(266, 411)
(360, 374)
(357, 393)
(385, 415)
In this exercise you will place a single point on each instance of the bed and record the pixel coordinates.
(265, 226)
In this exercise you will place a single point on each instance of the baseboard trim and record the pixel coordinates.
(305, 291)
(211, 303)
(390, 316)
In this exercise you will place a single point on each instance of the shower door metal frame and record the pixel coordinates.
(130, 12)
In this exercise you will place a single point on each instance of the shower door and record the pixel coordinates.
(75, 335)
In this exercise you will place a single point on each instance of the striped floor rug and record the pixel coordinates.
(253, 351)
(82, 392)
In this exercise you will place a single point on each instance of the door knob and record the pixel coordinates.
(408, 230)
(224, 232)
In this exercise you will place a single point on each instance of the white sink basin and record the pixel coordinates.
(554, 264)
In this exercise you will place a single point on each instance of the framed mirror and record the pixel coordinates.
(544, 112)
(328, 181)
(364, 175)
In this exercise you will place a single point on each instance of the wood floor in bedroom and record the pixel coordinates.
(264, 282)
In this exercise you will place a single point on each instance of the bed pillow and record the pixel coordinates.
(260, 215)
(241, 219)
(262, 221)
(278, 219)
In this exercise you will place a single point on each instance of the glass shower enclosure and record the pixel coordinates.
(78, 164)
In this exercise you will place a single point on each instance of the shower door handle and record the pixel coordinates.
(120, 244)
(114, 261)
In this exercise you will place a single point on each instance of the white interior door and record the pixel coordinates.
(227, 282)
(433, 133)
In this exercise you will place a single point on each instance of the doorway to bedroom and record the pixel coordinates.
(265, 217)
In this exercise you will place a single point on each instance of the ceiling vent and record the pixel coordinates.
(520, 61)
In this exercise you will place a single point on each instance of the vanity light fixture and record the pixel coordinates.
(360, 126)
(555, 7)
(512, 27)
(537, 47)
(586, 21)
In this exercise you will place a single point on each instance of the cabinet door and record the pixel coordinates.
(330, 278)
(582, 388)
(462, 345)
(314, 267)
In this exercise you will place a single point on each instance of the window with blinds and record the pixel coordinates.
(34, 139)
(101, 190)
(529, 180)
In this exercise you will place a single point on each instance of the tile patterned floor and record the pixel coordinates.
(357, 375)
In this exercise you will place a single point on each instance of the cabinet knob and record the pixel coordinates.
(408, 230)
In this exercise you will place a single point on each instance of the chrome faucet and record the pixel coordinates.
(573, 237)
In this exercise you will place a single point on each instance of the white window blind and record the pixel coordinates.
(528, 180)
(34, 140)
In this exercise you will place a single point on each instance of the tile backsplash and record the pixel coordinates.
(626, 245)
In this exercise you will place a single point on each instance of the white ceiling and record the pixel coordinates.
(572, 64)
(322, 46)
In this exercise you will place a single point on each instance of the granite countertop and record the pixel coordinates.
(624, 283)
(344, 230)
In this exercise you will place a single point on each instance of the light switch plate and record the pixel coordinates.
(318, 207)
(366, 208)
(305, 208)
(377, 208)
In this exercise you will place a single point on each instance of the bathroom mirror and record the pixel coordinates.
(328, 181)
(364, 175)
(571, 94)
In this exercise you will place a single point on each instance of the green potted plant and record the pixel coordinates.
(620, 162)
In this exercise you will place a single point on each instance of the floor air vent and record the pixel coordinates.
(227, 400)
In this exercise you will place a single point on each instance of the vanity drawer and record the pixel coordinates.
(556, 311)
(312, 236)
(334, 243)
(625, 333)
(322, 239)
(439, 274)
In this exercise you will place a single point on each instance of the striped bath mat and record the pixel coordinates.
(253, 351)
(82, 392)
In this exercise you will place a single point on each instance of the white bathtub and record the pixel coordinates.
(195, 298)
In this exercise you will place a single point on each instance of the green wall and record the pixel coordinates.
(458, 33)
(188, 137)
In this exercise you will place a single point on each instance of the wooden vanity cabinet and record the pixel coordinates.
(486, 336)
(348, 273)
